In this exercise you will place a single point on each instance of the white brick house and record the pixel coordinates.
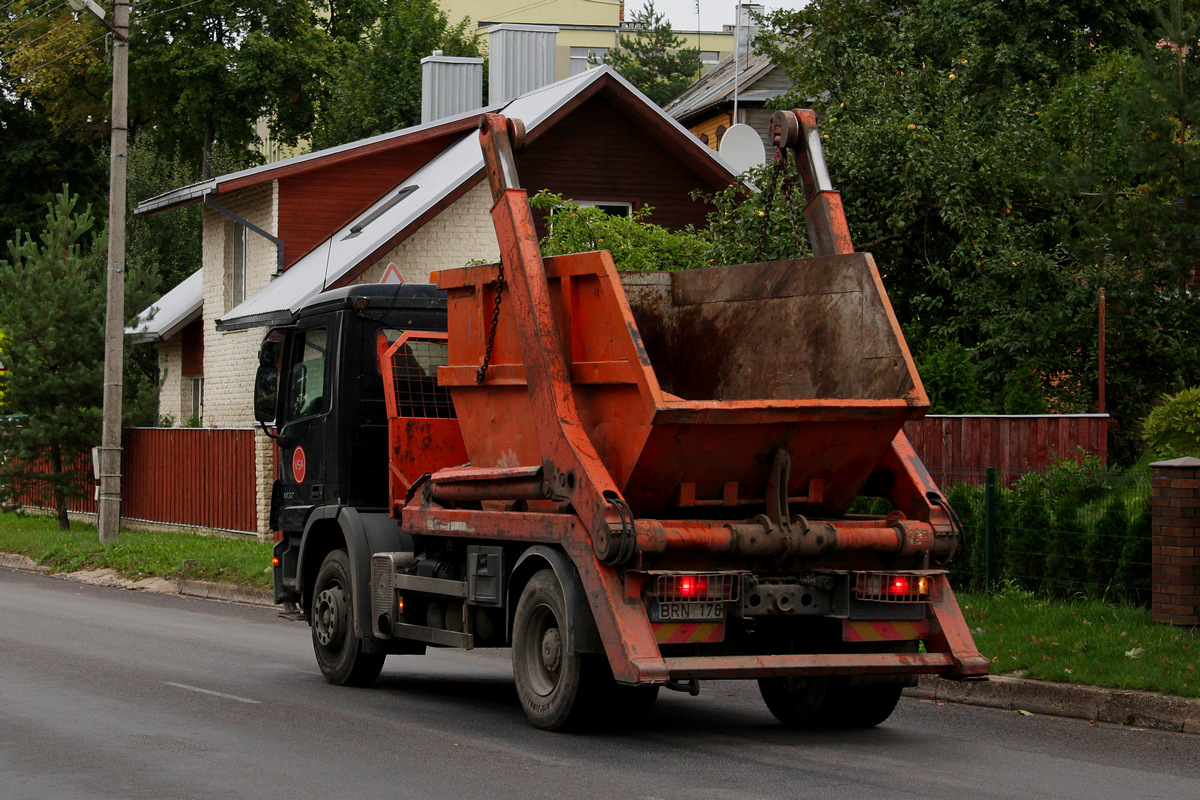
(396, 206)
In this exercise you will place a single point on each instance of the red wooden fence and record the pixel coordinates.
(205, 476)
(201, 477)
(958, 449)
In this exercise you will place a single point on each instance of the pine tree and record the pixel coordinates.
(653, 59)
(52, 293)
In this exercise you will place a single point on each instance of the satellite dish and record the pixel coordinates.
(742, 148)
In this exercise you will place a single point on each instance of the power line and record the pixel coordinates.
(33, 13)
(28, 72)
(168, 10)
(64, 34)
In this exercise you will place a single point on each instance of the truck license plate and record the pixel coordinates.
(671, 612)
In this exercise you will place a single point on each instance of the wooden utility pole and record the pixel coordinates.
(109, 504)
(1102, 407)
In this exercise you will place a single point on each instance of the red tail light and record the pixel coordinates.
(893, 587)
(675, 587)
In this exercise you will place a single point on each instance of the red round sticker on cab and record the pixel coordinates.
(299, 464)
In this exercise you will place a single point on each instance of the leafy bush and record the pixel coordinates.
(1172, 429)
(634, 242)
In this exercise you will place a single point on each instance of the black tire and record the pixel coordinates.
(864, 705)
(795, 701)
(339, 652)
(631, 705)
(557, 687)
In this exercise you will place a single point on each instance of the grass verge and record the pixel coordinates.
(241, 560)
(1083, 641)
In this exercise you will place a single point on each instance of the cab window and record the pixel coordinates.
(307, 384)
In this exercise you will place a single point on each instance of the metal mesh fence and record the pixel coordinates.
(1074, 530)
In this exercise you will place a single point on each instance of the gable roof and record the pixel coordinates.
(442, 179)
(443, 130)
(172, 312)
(715, 88)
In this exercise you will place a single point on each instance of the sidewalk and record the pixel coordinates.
(1097, 704)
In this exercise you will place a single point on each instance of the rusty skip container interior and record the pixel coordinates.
(688, 383)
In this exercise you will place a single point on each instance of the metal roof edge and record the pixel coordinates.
(253, 321)
(176, 197)
(194, 192)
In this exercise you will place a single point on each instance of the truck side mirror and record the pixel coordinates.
(269, 352)
(266, 393)
(266, 380)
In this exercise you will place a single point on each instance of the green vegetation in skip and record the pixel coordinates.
(1082, 641)
(240, 560)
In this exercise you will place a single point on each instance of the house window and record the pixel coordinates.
(709, 59)
(196, 409)
(584, 58)
(614, 208)
(238, 264)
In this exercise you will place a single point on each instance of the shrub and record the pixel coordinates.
(1172, 429)
(634, 242)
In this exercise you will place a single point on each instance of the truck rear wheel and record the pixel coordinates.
(339, 652)
(849, 705)
(795, 701)
(556, 685)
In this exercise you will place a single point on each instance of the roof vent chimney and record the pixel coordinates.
(522, 58)
(749, 28)
(450, 85)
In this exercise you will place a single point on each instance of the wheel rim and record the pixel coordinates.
(329, 617)
(544, 651)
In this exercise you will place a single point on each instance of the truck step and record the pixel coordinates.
(438, 636)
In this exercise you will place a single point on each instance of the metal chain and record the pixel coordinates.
(481, 373)
(789, 193)
(762, 237)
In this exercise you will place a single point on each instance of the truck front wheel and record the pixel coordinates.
(553, 682)
(339, 652)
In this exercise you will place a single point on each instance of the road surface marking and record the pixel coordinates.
(214, 694)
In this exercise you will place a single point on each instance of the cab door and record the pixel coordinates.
(308, 422)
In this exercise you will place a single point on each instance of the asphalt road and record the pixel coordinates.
(106, 693)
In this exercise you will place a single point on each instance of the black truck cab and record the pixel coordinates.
(319, 385)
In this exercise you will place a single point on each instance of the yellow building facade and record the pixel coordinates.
(587, 29)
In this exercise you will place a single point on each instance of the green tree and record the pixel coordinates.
(375, 85)
(980, 151)
(52, 311)
(206, 71)
(653, 58)
(56, 62)
(36, 156)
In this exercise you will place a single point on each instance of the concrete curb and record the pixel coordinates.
(227, 592)
(21, 563)
(1117, 706)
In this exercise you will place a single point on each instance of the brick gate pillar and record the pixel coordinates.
(1175, 542)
